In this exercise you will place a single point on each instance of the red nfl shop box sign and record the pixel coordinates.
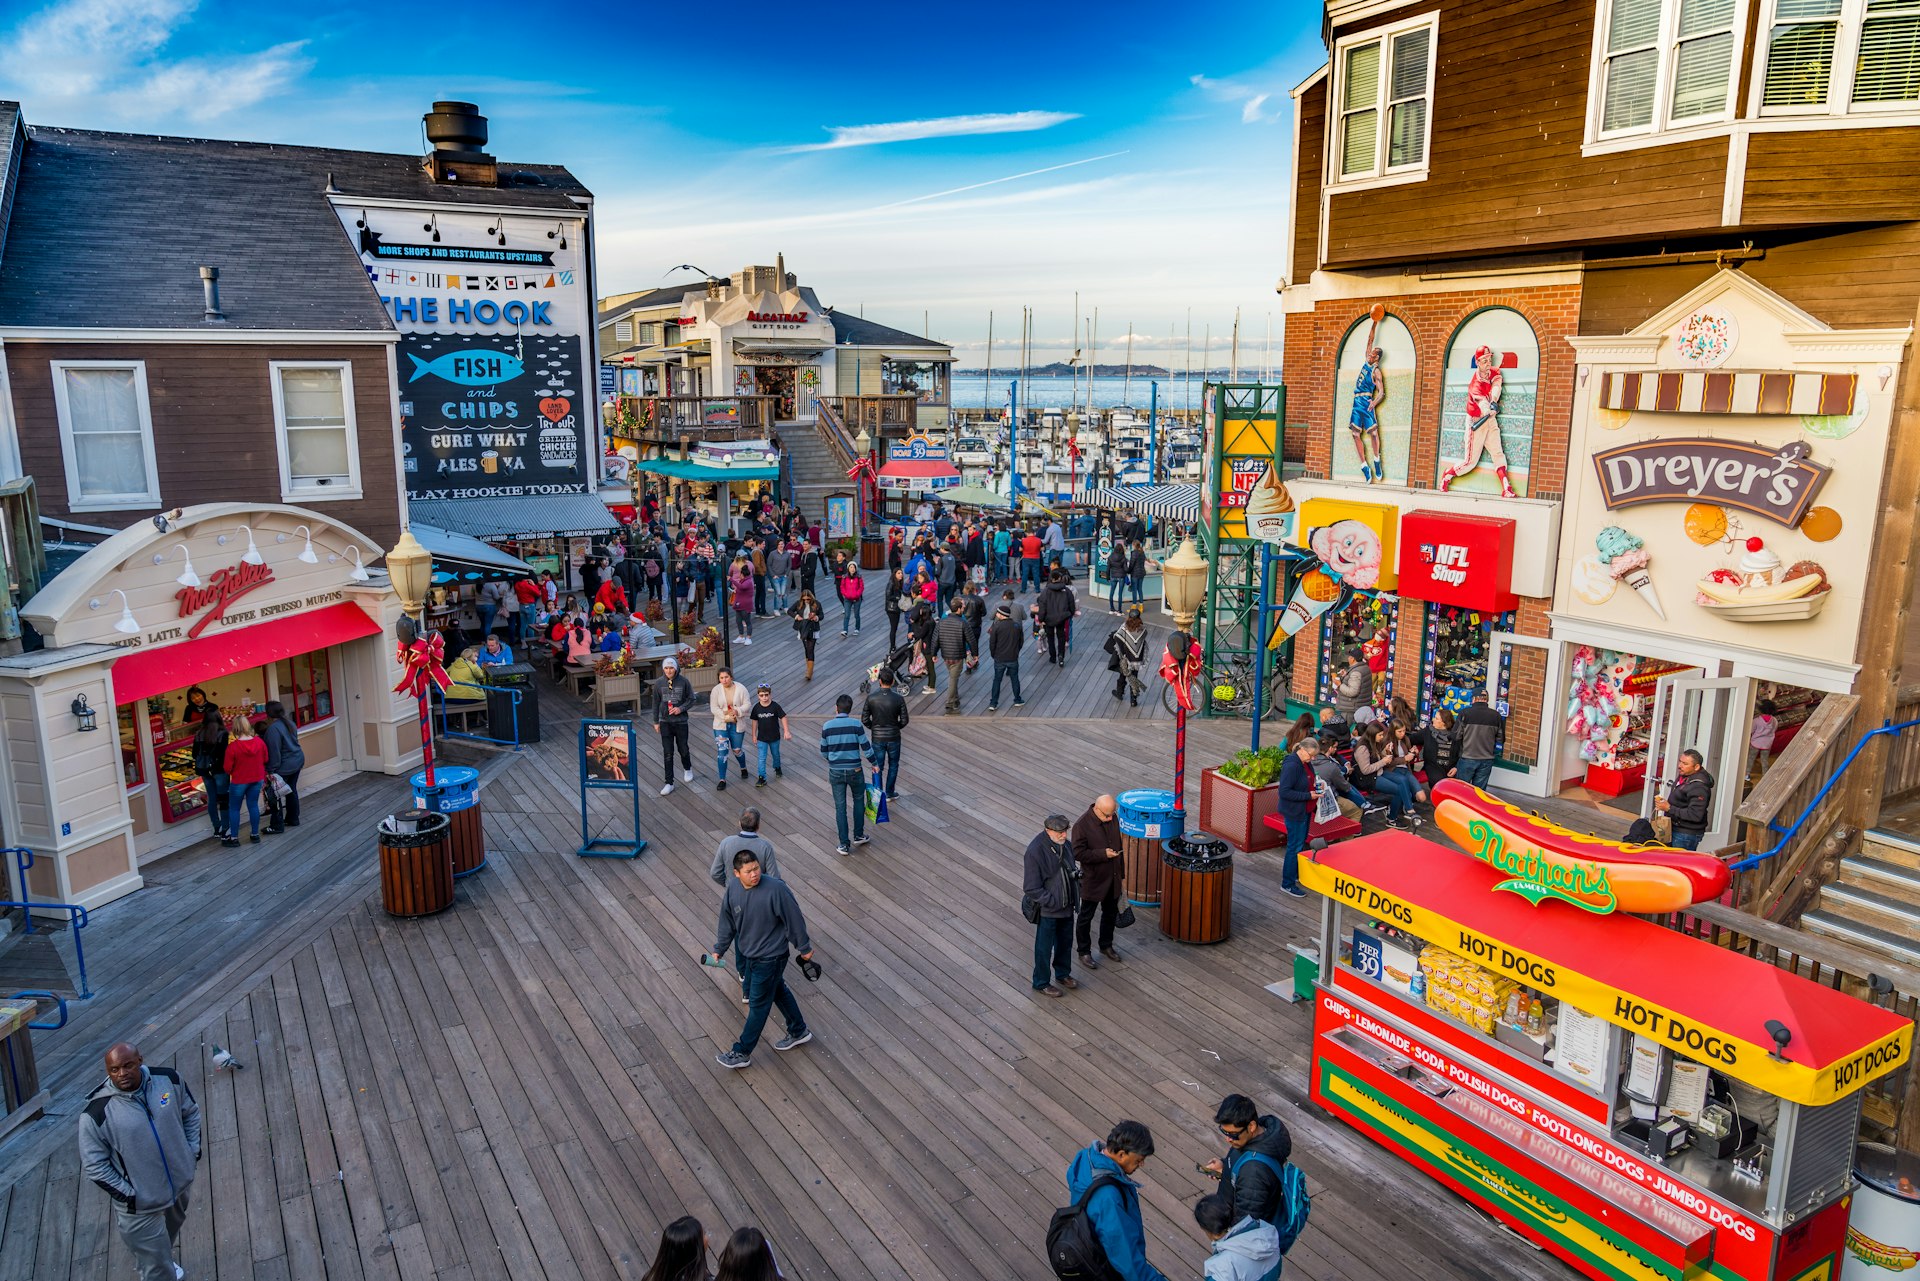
(1452, 559)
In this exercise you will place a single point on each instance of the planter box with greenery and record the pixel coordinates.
(1237, 796)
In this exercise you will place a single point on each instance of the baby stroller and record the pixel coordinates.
(895, 662)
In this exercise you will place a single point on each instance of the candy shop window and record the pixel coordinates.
(305, 683)
(131, 768)
(1455, 652)
(1365, 624)
(1610, 706)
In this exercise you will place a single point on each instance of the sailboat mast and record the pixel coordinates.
(1126, 380)
(1234, 361)
(986, 391)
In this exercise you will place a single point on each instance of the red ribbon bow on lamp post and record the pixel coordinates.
(423, 663)
(1182, 675)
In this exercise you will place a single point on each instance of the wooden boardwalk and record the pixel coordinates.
(525, 1086)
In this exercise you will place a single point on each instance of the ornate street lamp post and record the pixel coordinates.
(410, 567)
(1183, 580)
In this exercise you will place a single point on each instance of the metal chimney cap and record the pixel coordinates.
(209, 273)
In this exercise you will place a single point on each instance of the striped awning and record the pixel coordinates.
(1729, 392)
(1173, 502)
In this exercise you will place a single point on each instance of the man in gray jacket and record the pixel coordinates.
(749, 838)
(950, 644)
(760, 912)
(1352, 687)
(140, 1141)
(672, 695)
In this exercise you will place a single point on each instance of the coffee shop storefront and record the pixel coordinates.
(231, 607)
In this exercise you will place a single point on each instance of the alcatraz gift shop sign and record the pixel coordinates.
(1779, 484)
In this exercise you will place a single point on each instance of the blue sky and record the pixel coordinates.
(905, 158)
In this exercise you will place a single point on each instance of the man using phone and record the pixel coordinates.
(761, 912)
(1260, 1147)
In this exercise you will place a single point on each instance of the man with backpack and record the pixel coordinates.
(1252, 1169)
(1101, 1234)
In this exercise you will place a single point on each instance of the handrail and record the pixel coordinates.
(76, 914)
(22, 859)
(1789, 832)
(57, 999)
(486, 690)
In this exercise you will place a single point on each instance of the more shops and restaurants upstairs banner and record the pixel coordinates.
(1697, 999)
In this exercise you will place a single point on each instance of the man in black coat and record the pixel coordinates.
(1049, 882)
(1689, 802)
(1261, 1148)
(1057, 610)
(885, 715)
(1005, 639)
(1097, 849)
(1296, 810)
(951, 643)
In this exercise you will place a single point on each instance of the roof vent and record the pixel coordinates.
(210, 287)
(457, 132)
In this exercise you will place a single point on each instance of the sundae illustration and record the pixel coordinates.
(1626, 558)
(1762, 590)
(1267, 507)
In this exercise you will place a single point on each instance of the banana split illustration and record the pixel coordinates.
(1761, 590)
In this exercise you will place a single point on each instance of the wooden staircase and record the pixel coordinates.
(1875, 903)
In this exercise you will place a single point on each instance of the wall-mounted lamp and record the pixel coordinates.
(84, 714)
(359, 572)
(498, 230)
(128, 624)
(252, 555)
(559, 232)
(1781, 1035)
(187, 577)
(432, 224)
(306, 557)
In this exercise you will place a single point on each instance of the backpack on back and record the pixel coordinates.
(1290, 1219)
(1073, 1248)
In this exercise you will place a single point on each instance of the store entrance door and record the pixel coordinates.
(1528, 664)
(1708, 714)
(777, 380)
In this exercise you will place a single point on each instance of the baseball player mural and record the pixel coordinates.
(1491, 395)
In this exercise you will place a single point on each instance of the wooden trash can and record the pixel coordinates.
(456, 793)
(1147, 817)
(873, 552)
(416, 867)
(1196, 894)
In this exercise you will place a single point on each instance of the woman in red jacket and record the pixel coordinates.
(246, 771)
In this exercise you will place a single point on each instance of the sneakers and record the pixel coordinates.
(843, 635)
(230, 842)
(721, 786)
(993, 707)
(179, 1273)
(666, 790)
(741, 762)
(1019, 702)
(730, 1059)
(842, 850)
(778, 772)
(862, 840)
(1397, 824)
(686, 776)
(1295, 890)
(789, 1041)
(760, 781)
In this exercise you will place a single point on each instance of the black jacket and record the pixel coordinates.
(950, 638)
(1049, 876)
(677, 690)
(1056, 603)
(1004, 639)
(1690, 802)
(1296, 785)
(885, 715)
(1256, 1186)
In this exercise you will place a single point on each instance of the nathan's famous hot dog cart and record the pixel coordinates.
(1641, 1103)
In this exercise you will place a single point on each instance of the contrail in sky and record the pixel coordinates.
(1031, 173)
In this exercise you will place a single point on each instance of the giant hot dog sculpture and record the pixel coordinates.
(1547, 860)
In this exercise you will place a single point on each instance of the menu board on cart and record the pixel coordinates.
(1580, 1046)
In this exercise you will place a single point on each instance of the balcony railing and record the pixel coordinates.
(667, 420)
(884, 414)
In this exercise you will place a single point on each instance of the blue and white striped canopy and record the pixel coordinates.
(1173, 502)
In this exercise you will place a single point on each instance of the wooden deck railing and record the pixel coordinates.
(668, 420)
(1892, 1104)
(1902, 776)
(833, 433)
(1780, 888)
(892, 414)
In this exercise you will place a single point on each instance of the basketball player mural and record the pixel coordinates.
(1369, 393)
(1483, 419)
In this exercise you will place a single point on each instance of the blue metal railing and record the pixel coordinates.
(1793, 829)
(57, 999)
(440, 701)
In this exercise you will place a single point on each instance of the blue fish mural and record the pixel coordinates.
(468, 368)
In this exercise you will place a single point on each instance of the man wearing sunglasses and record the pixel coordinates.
(1260, 1148)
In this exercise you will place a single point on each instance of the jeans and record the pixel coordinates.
(728, 739)
(1476, 772)
(153, 1235)
(216, 786)
(849, 615)
(1116, 588)
(250, 794)
(1029, 575)
(849, 789)
(1108, 909)
(1686, 840)
(1138, 583)
(1012, 672)
(779, 593)
(1056, 642)
(488, 611)
(769, 749)
(999, 566)
(953, 682)
(1052, 941)
(671, 733)
(893, 629)
(290, 803)
(1298, 825)
(1398, 788)
(746, 621)
(886, 763)
(766, 985)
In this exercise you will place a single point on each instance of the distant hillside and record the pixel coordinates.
(1060, 369)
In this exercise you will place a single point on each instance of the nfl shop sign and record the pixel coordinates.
(1452, 559)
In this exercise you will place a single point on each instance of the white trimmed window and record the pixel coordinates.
(1664, 64)
(1384, 93)
(313, 419)
(106, 434)
(1836, 57)
(623, 331)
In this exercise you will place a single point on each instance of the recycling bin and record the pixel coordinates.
(513, 717)
(1147, 817)
(416, 863)
(1196, 894)
(456, 794)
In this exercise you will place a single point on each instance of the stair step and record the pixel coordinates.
(1871, 907)
(1895, 880)
(1871, 937)
(1892, 847)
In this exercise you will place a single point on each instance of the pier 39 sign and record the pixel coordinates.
(1779, 484)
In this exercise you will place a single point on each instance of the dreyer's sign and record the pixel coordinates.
(1779, 484)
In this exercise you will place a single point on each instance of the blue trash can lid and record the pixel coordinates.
(447, 776)
(1146, 800)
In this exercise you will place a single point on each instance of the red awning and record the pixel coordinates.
(143, 673)
(917, 473)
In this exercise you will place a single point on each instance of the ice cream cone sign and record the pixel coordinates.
(1270, 509)
(1625, 556)
(1350, 553)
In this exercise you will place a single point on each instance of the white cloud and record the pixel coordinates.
(941, 127)
(1251, 99)
(104, 61)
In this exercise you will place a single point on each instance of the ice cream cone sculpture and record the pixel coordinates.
(1315, 595)
(1626, 558)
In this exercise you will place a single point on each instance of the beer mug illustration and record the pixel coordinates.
(490, 461)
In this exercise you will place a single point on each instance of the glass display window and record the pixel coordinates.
(304, 685)
(925, 379)
(132, 768)
(1368, 625)
(1456, 648)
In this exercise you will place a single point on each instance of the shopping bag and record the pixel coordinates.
(876, 800)
(1124, 920)
(278, 785)
(1326, 807)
